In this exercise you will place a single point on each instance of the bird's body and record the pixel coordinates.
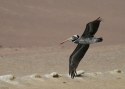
(83, 42)
(87, 40)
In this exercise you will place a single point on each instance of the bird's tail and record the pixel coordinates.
(99, 39)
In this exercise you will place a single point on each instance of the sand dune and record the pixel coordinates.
(35, 23)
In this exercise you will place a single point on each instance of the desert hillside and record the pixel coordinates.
(26, 23)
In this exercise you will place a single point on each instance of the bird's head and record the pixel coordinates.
(71, 39)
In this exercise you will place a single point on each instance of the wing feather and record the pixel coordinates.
(92, 27)
(76, 57)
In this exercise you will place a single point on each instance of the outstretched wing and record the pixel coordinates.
(92, 27)
(76, 57)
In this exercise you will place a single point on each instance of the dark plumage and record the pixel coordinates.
(83, 42)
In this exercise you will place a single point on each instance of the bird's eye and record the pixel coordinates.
(78, 36)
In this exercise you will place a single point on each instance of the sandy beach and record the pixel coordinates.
(25, 68)
(30, 33)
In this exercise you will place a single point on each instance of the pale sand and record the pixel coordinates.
(99, 64)
(105, 80)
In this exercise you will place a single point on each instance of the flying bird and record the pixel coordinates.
(83, 42)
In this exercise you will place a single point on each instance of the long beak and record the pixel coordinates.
(68, 40)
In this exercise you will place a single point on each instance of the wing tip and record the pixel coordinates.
(99, 19)
(72, 72)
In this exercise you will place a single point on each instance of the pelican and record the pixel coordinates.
(83, 42)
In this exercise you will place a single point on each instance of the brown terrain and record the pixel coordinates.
(30, 33)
